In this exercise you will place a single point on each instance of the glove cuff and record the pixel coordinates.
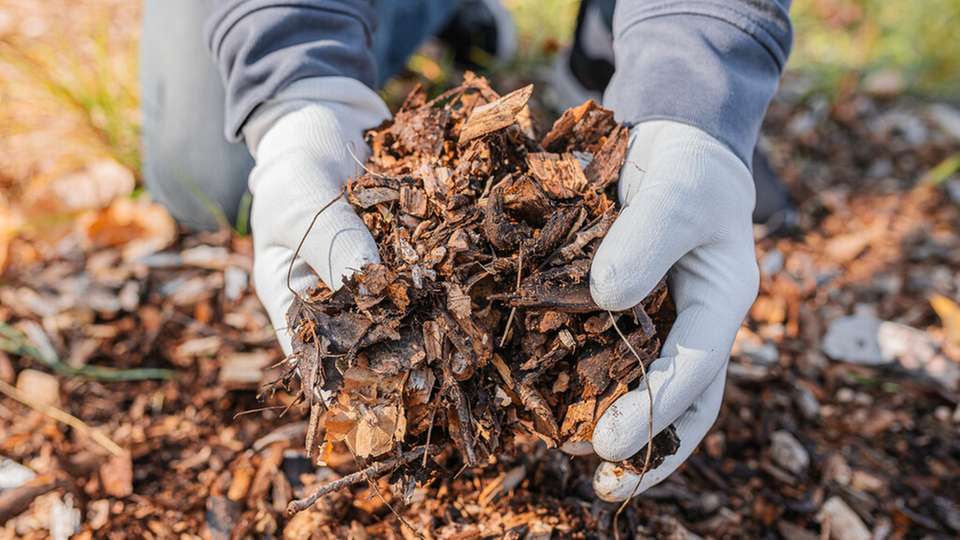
(355, 106)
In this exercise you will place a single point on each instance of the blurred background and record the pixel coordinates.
(69, 68)
(842, 405)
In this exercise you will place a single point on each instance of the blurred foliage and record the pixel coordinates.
(914, 41)
(543, 26)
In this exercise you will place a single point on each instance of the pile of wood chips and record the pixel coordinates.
(478, 326)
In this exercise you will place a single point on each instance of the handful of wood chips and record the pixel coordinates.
(478, 326)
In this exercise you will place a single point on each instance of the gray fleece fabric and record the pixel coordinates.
(713, 64)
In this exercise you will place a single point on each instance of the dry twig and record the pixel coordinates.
(64, 417)
(649, 454)
(373, 471)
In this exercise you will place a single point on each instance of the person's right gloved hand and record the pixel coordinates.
(303, 143)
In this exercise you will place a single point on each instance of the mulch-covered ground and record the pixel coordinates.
(840, 418)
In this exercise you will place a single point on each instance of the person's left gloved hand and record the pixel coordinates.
(687, 202)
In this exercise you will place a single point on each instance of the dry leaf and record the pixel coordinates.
(949, 313)
(10, 224)
(138, 227)
(92, 188)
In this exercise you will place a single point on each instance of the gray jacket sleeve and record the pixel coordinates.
(713, 64)
(262, 46)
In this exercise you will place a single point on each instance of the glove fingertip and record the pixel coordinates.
(619, 434)
(613, 483)
(604, 286)
(577, 448)
(336, 255)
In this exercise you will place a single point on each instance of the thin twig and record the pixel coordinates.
(513, 310)
(376, 470)
(649, 454)
(362, 166)
(64, 417)
(258, 409)
(303, 239)
(433, 416)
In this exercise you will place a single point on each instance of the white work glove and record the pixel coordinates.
(302, 141)
(687, 203)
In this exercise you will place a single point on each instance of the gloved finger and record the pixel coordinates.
(713, 288)
(338, 245)
(270, 269)
(611, 482)
(578, 448)
(639, 249)
(681, 189)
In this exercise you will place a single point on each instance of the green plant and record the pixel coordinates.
(918, 42)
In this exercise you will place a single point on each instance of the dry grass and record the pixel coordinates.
(68, 86)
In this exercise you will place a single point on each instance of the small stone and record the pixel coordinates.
(942, 413)
(808, 404)
(39, 386)
(947, 118)
(789, 453)
(842, 522)
(854, 339)
(64, 520)
(13, 474)
(772, 262)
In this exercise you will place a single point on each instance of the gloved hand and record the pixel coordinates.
(687, 203)
(302, 142)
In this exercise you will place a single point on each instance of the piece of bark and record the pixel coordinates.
(365, 198)
(495, 115)
(116, 476)
(605, 167)
(270, 461)
(560, 175)
(413, 201)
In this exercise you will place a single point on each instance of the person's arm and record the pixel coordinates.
(711, 64)
(299, 80)
(262, 46)
(694, 78)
